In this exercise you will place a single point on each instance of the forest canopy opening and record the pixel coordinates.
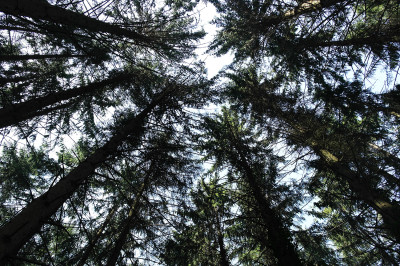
(170, 166)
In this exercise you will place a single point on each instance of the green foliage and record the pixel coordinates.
(299, 134)
(24, 175)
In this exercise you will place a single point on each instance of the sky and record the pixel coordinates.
(213, 64)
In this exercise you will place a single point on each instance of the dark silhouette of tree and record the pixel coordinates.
(201, 239)
(344, 145)
(230, 141)
(303, 135)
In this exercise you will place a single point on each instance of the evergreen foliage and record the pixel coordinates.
(109, 157)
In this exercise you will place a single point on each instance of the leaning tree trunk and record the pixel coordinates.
(41, 9)
(360, 185)
(301, 130)
(15, 113)
(28, 222)
(362, 41)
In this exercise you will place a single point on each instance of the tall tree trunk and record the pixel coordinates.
(304, 8)
(366, 41)
(41, 9)
(386, 34)
(24, 225)
(223, 256)
(15, 113)
(99, 232)
(278, 236)
(358, 183)
(360, 186)
(127, 225)
(301, 130)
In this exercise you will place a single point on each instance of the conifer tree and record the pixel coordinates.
(230, 141)
(305, 134)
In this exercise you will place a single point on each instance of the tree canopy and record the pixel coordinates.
(118, 149)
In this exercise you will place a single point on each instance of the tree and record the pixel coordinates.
(341, 140)
(304, 134)
(22, 227)
(164, 34)
(201, 238)
(229, 141)
(314, 45)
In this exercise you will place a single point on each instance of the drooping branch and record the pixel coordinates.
(22, 57)
(41, 9)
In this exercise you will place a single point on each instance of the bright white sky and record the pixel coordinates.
(213, 64)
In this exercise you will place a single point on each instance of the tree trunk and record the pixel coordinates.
(301, 130)
(304, 8)
(360, 186)
(278, 236)
(112, 260)
(366, 41)
(223, 260)
(15, 113)
(386, 34)
(24, 225)
(41, 9)
(95, 239)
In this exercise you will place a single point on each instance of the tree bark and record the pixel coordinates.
(41, 9)
(15, 113)
(23, 226)
(304, 8)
